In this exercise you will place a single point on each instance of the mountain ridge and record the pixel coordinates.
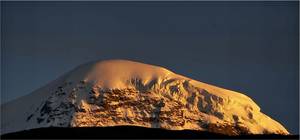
(122, 92)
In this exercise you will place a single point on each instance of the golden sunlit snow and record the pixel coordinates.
(121, 92)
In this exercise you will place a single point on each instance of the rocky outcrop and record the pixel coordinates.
(157, 99)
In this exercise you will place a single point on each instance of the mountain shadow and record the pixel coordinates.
(128, 132)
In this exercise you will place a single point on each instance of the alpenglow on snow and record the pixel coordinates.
(122, 92)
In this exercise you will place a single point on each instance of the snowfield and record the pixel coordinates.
(121, 92)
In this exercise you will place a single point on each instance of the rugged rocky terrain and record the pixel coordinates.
(120, 92)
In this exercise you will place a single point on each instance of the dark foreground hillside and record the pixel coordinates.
(127, 132)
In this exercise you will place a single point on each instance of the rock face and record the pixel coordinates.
(120, 92)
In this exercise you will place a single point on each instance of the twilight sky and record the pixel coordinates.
(249, 47)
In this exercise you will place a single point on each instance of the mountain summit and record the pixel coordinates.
(121, 92)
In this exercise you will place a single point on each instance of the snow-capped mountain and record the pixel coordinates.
(121, 92)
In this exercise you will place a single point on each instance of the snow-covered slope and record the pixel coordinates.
(121, 92)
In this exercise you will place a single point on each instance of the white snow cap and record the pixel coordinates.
(76, 99)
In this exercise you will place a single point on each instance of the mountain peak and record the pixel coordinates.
(122, 92)
(116, 73)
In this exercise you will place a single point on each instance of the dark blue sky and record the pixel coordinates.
(250, 47)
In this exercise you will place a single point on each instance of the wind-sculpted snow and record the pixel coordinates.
(120, 92)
